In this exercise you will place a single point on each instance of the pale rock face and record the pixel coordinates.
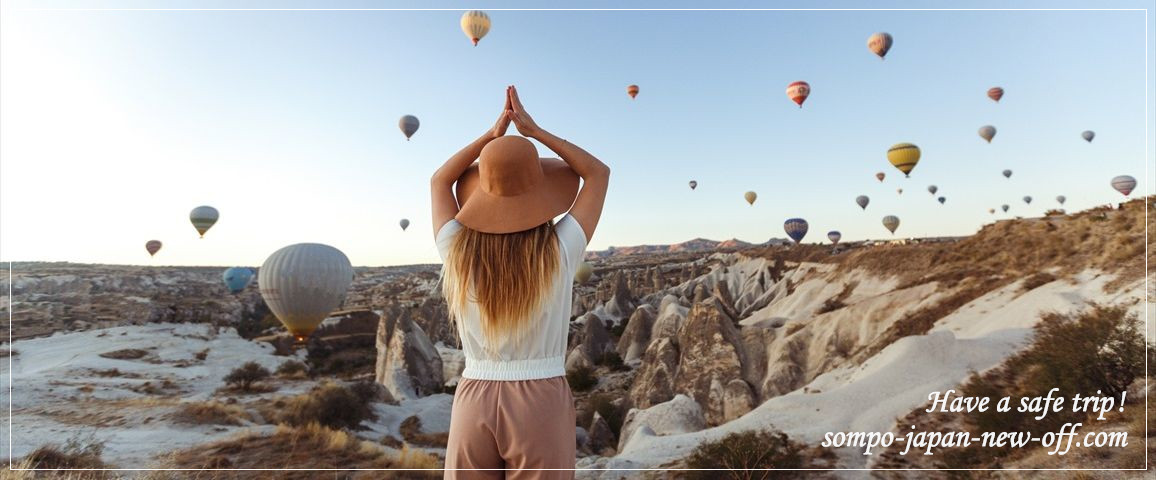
(577, 359)
(636, 337)
(453, 363)
(654, 382)
(737, 399)
(679, 415)
(408, 364)
(621, 303)
(595, 338)
(670, 318)
(710, 350)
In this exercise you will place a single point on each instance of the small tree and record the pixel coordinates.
(245, 376)
(751, 449)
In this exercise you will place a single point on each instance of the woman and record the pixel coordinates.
(507, 282)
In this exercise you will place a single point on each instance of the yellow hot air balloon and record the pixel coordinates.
(879, 43)
(750, 196)
(583, 273)
(475, 24)
(903, 156)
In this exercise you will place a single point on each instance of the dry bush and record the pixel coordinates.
(417, 459)
(292, 369)
(76, 452)
(330, 405)
(209, 413)
(581, 379)
(125, 354)
(1038, 280)
(309, 446)
(202, 355)
(411, 431)
(246, 376)
(836, 302)
(751, 449)
(5, 353)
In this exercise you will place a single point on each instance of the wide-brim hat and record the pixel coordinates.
(510, 189)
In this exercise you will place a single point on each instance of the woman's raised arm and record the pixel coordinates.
(587, 209)
(445, 206)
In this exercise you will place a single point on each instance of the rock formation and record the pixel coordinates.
(408, 364)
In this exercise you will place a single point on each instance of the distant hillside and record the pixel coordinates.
(695, 245)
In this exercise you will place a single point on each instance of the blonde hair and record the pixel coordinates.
(507, 275)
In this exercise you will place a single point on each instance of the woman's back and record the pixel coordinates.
(540, 351)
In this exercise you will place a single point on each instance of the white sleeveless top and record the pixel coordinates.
(542, 353)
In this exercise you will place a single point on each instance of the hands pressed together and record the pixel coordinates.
(514, 112)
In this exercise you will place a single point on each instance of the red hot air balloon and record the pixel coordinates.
(632, 91)
(798, 92)
(995, 93)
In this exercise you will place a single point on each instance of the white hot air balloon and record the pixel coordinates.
(583, 272)
(475, 24)
(303, 284)
(1124, 184)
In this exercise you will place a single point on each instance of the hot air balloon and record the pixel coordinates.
(1007, 173)
(237, 278)
(1088, 135)
(891, 222)
(941, 200)
(862, 200)
(750, 196)
(991, 211)
(995, 93)
(153, 246)
(987, 132)
(693, 184)
(798, 92)
(408, 125)
(1004, 207)
(796, 228)
(834, 236)
(303, 284)
(203, 218)
(880, 176)
(1061, 199)
(632, 91)
(1028, 199)
(932, 189)
(583, 272)
(903, 156)
(404, 224)
(1124, 184)
(475, 24)
(879, 43)
(899, 190)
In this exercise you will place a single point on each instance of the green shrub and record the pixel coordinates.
(581, 379)
(749, 449)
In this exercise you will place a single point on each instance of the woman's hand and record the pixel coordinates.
(499, 128)
(521, 119)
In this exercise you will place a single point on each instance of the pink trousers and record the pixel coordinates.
(513, 425)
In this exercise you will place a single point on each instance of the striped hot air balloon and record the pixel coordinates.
(995, 93)
(903, 156)
(1124, 184)
(834, 236)
(796, 228)
(475, 24)
(153, 246)
(798, 92)
(987, 132)
(203, 218)
(891, 222)
(303, 284)
(408, 125)
(879, 43)
(862, 201)
(632, 91)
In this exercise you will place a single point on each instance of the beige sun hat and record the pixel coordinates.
(510, 189)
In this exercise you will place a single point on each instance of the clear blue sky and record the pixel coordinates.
(116, 123)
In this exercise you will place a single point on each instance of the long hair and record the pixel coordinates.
(508, 277)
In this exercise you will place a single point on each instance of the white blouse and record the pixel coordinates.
(542, 353)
